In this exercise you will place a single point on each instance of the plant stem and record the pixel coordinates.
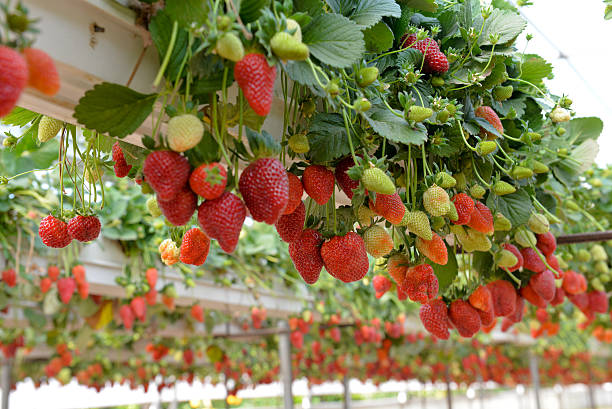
(169, 51)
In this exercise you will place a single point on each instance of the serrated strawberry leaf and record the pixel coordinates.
(517, 207)
(503, 23)
(262, 144)
(327, 138)
(334, 40)
(369, 12)
(114, 109)
(394, 128)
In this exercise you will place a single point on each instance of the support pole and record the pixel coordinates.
(284, 351)
(585, 237)
(449, 396)
(535, 379)
(424, 397)
(346, 402)
(7, 366)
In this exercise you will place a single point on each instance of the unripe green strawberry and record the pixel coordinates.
(560, 115)
(184, 132)
(366, 76)
(365, 215)
(376, 180)
(153, 207)
(452, 212)
(501, 223)
(521, 172)
(451, 108)
(437, 222)
(378, 242)
(601, 267)
(539, 167)
(443, 116)
(486, 147)
(417, 223)
(538, 223)
(286, 47)
(501, 188)
(525, 238)
(531, 137)
(583, 255)
(332, 88)
(419, 113)
(299, 143)
(599, 253)
(501, 93)
(436, 201)
(48, 128)
(461, 180)
(597, 285)
(470, 239)
(230, 47)
(362, 105)
(437, 81)
(477, 191)
(294, 25)
(506, 258)
(445, 180)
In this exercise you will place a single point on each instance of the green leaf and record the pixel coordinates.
(582, 156)
(581, 129)
(187, 12)
(424, 5)
(161, 32)
(506, 24)
(134, 155)
(300, 72)
(114, 109)
(535, 68)
(369, 12)
(262, 144)
(327, 138)
(504, 5)
(446, 274)
(343, 7)
(250, 10)
(311, 7)
(394, 128)
(409, 56)
(334, 40)
(518, 104)
(517, 207)
(378, 38)
(482, 262)
(19, 117)
(36, 319)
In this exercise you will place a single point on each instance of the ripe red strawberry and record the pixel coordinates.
(305, 252)
(127, 316)
(465, 207)
(264, 186)
(408, 40)
(390, 207)
(519, 310)
(421, 284)
(151, 277)
(581, 301)
(598, 301)
(188, 357)
(534, 298)
(543, 284)
(397, 266)
(504, 297)
(42, 74)
(318, 183)
(433, 249)
(65, 288)
(256, 79)
(208, 180)
(482, 299)
(194, 247)
(197, 312)
(83, 289)
(434, 316)
(481, 219)
(344, 181)
(139, 308)
(547, 243)
(436, 62)
(120, 167)
(296, 190)
(166, 172)
(53, 272)
(289, 226)
(519, 257)
(297, 339)
(54, 232)
(222, 219)
(487, 318)
(345, 257)
(531, 260)
(554, 263)
(79, 274)
(13, 78)
(465, 318)
(45, 284)
(491, 117)
(381, 285)
(84, 228)
(9, 277)
(180, 208)
(574, 283)
(559, 297)
(151, 297)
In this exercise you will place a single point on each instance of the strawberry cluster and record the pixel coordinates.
(435, 60)
(56, 233)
